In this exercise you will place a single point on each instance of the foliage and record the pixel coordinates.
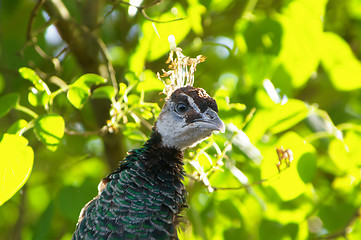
(285, 75)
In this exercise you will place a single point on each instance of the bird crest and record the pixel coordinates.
(181, 71)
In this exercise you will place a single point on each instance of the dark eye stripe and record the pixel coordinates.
(191, 116)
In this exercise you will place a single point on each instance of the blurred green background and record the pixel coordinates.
(285, 73)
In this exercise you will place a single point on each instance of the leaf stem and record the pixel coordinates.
(26, 110)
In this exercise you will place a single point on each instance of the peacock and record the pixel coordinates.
(144, 196)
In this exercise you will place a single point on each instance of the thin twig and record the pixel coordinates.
(141, 9)
(106, 57)
(156, 21)
(33, 14)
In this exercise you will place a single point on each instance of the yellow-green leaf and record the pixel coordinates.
(338, 60)
(149, 82)
(77, 96)
(38, 98)
(17, 126)
(89, 79)
(346, 154)
(15, 164)
(104, 92)
(30, 74)
(291, 182)
(50, 129)
(276, 119)
(302, 34)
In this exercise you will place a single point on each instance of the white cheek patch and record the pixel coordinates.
(169, 129)
(177, 134)
(174, 130)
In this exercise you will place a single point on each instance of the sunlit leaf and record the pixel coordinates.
(146, 114)
(17, 126)
(122, 88)
(77, 96)
(30, 74)
(195, 12)
(38, 98)
(50, 129)
(340, 63)
(290, 183)
(154, 43)
(89, 79)
(80, 90)
(149, 82)
(16, 164)
(301, 43)
(276, 119)
(132, 132)
(104, 92)
(7, 102)
(346, 154)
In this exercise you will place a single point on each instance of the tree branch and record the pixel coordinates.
(86, 47)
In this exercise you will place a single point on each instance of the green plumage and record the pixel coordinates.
(141, 199)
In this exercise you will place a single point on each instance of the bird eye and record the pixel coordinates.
(181, 108)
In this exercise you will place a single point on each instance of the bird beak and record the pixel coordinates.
(212, 121)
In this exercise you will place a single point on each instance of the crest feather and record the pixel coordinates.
(181, 71)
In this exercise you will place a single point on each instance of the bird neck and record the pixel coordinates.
(161, 155)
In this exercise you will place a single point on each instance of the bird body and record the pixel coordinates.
(143, 198)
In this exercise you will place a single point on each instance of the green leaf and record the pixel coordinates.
(341, 65)
(132, 132)
(38, 98)
(346, 154)
(291, 182)
(77, 96)
(122, 88)
(336, 217)
(79, 91)
(15, 164)
(302, 40)
(195, 12)
(154, 43)
(149, 82)
(49, 129)
(8, 102)
(307, 166)
(17, 126)
(276, 119)
(89, 79)
(30, 74)
(107, 92)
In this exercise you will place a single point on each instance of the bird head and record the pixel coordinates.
(188, 117)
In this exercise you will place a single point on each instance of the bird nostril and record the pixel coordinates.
(209, 115)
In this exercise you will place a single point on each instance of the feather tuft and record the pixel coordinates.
(181, 73)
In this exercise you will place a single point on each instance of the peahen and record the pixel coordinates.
(143, 198)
